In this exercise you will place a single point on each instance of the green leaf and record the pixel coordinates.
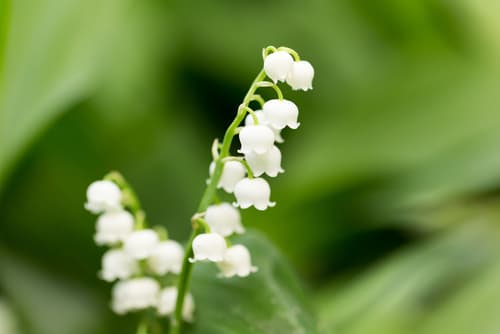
(51, 56)
(269, 301)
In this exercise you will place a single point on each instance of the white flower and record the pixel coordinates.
(301, 75)
(232, 172)
(269, 162)
(135, 294)
(116, 264)
(224, 219)
(103, 196)
(168, 299)
(236, 262)
(166, 257)
(281, 113)
(113, 227)
(256, 138)
(254, 192)
(277, 65)
(208, 246)
(262, 120)
(140, 244)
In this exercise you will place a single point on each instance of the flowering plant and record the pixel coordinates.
(153, 271)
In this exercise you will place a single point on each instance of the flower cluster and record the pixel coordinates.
(242, 175)
(137, 256)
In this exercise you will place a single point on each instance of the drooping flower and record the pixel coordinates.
(208, 246)
(232, 172)
(269, 162)
(167, 301)
(116, 264)
(236, 262)
(140, 244)
(135, 294)
(301, 75)
(166, 257)
(224, 219)
(281, 113)
(113, 227)
(277, 65)
(254, 192)
(262, 120)
(103, 196)
(256, 138)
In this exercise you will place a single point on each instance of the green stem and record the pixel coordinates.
(206, 200)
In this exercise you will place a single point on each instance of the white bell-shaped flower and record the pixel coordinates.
(232, 172)
(301, 75)
(116, 264)
(168, 299)
(224, 219)
(166, 257)
(262, 120)
(256, 138)
(140, 244)
(281, 113)
(269, 162)
(208, 246)
(236, 262)
(113, 227)
(277, 65)
(254, 192)
(135, 294)
(103, 196)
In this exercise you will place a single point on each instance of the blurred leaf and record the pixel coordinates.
(51, 57)
(270, 301)
(48, 304)
(8, 321)
(422, 283)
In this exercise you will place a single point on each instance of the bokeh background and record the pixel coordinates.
(389, 208)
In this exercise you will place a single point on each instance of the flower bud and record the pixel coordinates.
(281, 113)
(224, 219)
(277, 65)
(140, 244)
(135, 294)
(269, 162)
(166, 257)
(301, 75)
(254, 192)
(256, 138)
(232, 172)
(236, 262)
(208, 246)
(113, 227)
(103, 196)
(263, 121)
(168, 299)
(116, 264)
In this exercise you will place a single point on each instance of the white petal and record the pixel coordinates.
(281, 113)
(208, 246)
(140, 244)
(113, 227)
(224, 219)
(236, 262)
(269, 162)
(135, 294)
(254, 192)
(277, 65)
(116, 264)
(166, 257)
(301, 75)
(103, 196)
(256, 138)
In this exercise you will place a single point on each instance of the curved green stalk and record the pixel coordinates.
(207, 198)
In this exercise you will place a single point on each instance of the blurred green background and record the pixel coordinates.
(388, 211)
